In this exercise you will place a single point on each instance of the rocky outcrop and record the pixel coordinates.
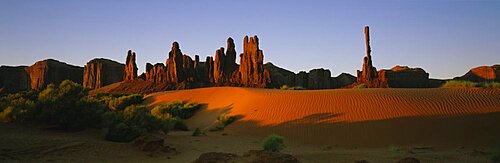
(319, 79)
(50, 71)
(175, 73)
(220, 74)
(398, 77)
(14, 79)
(405, 77)
(101, 72)
(130, 66)
(209, 69)
(251, 70)
(156, 73)
(250, 156)
(343, 80)
(482, 74)
(302, 79)
(279, 76)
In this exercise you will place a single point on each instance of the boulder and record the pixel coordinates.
(50, 71)
(482, 74)
(266, 156)
(217, 157)
(409, 160)
(14, 79)
(130, 66)
(101, 72)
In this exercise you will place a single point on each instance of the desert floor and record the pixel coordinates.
(343, 125)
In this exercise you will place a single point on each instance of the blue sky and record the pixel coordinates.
(444, 37)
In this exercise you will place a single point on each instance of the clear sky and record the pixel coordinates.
(445, 37)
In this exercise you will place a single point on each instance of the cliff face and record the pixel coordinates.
(482, 74)
(101, 72)
(14, 79)
(49, 71)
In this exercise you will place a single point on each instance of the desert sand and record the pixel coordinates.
(342, 125)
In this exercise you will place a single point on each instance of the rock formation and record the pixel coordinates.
(175, 73)
(319, 79)
(398, 77)
(404, 77)
(209, 69)
(130, 66)
(368, 73)
(302, 79)
(219, 65)
(343, 80)
(14, 79)
(49, 71)
(156, 73)
(101, 72)
(252, 72)
(279, 76)
(482, 74)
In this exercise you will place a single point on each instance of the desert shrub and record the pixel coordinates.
(361, 86)
(67, 107)
(273, 143)
(197, 132)
(222, 121)
(6, 115)
(178, 124)
(133, 121)
(123, 132)
(182, 110)
(491, 85)
(122, 102)
(459, 83)
(16, 107)
(286, 87)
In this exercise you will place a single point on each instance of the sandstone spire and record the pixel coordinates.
(368, 73)
(130, 66)
(252, 70)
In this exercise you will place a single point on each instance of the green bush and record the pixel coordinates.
(66, 106)
(463, 83)
(361, 86)
(133, 121)
(182, 110)
(460, 83)
(273, 143)
(122, 102)
(222, 121)
(491, 85)
(286, 87)
(197, 132)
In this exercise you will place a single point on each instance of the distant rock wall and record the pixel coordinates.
(14, 79)
(50, 71)
(482, 74)
(101, 72)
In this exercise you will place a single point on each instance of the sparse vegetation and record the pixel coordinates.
(69, 108)
(361, 86)
(463, 83)
(182, 110)
(286, 87)
(273, 143)
(222, 121)
(197, 132)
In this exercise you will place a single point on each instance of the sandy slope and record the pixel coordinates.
(353, 117)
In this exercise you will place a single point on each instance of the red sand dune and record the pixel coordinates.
(352, 117)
